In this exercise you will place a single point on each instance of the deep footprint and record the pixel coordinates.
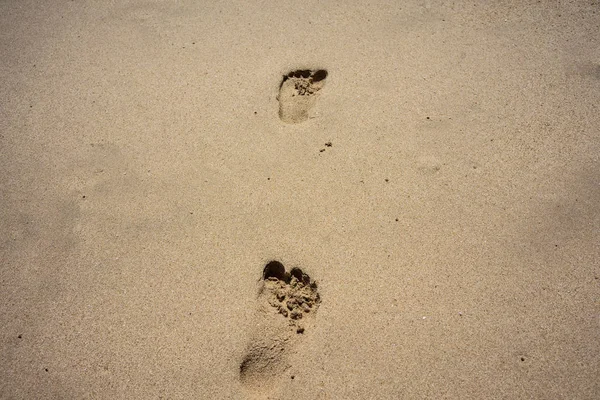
(298, 94)
(287, 304)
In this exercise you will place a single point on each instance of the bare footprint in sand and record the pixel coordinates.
(287, 303)
(298, 94)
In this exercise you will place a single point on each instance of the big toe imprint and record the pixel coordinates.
(298, 94)
(287, 303)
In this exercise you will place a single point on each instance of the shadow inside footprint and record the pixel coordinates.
(287, 303)
(298, 93)
(274, 269)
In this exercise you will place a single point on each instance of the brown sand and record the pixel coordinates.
(452, 224)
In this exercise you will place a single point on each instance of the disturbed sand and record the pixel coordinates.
(277, 200)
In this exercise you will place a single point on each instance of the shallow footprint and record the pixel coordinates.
(287, 303)
(298, 94)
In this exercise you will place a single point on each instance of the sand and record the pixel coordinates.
(441, 191)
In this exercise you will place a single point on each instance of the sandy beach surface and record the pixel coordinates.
(413, 212)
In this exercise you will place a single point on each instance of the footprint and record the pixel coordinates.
(428, 165)
(298, 94)
(287, 304)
